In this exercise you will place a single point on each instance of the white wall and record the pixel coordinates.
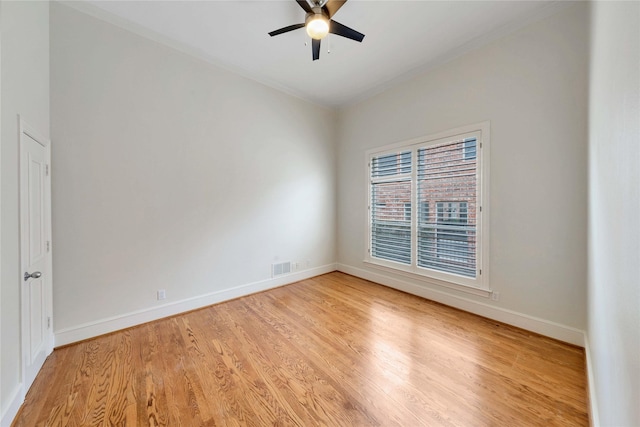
(157, 183)
(169, 173)
(532, 85)
(25, 91)
(614, 203)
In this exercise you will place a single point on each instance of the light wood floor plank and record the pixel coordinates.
(334, 350)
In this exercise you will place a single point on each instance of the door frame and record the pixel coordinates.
(27, 131)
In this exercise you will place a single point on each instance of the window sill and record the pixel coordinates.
(485, 293)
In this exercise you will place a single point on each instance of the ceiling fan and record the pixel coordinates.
(318, 23)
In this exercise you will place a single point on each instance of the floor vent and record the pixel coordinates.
(280, 269)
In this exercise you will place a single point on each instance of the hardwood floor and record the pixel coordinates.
(334, 350)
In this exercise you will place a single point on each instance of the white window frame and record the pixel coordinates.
(479, 285)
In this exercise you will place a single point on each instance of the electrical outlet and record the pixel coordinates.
(162, 294)
(495, 296)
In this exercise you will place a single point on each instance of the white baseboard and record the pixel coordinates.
(594, 416)
(543, 327)
(112, 324)
(10, 412)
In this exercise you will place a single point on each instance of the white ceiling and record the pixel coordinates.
(401, 38)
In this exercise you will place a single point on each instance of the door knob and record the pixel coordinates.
(33, 275)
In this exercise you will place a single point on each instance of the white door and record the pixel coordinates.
(35, 252)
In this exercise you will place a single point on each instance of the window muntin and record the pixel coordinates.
(436, 227)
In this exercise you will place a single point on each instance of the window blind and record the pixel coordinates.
(446, 194)
(391, 207)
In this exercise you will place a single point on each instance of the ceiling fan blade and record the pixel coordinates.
(344, 31)
(286, 29)
(303, 4)
(332, 6)
(315, 45)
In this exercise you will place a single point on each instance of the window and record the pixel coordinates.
(443, 178)
(407, 211)
(423, 212)
(452, 237)
(469, 149)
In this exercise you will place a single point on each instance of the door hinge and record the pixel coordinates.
(48, 245)
(480, 208)
(481, 145)
(46, 169)
(480, 272)
(48, 322)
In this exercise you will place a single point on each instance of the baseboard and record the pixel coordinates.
(112, 324)
(15, 401)
(543, 327)
(594, 417)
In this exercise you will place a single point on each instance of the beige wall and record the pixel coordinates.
(25, 91)
(532, 86)
(614, 203)
(170, 173)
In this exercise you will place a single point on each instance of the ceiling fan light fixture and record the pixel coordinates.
(318, 22)
(317, 25)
